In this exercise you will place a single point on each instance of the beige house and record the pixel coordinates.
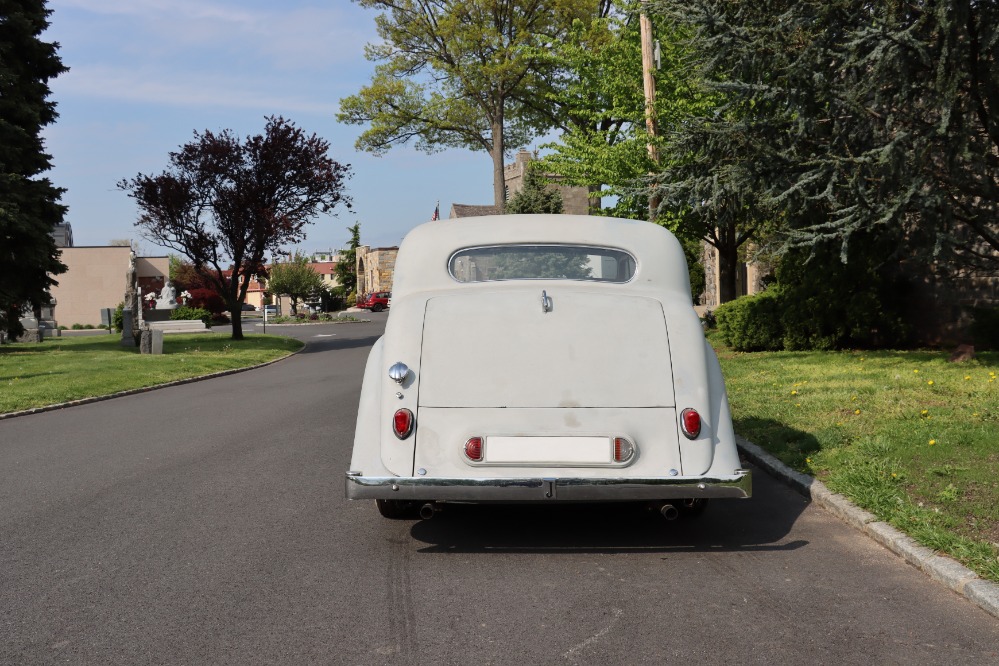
(95, 279)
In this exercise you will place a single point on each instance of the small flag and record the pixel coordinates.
(437, 213)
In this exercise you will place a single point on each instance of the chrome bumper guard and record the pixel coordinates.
(564, 489)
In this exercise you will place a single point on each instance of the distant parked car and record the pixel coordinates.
(376, 302)
(543, 358)
(248, 307)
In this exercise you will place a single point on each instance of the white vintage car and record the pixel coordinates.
(542, 358)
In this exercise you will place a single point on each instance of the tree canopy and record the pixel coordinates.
(29, 203)
(847, 116)
(461, 73)
(225, 202)
(295, 278)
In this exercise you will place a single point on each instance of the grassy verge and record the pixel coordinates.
(62, 369)
(906, 435)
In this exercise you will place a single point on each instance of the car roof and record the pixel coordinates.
(422, 261)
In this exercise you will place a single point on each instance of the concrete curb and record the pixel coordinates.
(144, 389)
(953, 574)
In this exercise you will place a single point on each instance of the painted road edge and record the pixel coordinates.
(949, 572)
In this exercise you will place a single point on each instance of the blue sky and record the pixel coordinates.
(145, 74)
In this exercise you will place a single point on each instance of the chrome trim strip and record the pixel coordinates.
(537, 489)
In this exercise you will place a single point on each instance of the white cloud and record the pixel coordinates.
(288, 36)
(144, 86)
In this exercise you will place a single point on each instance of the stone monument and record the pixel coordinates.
(130, 313)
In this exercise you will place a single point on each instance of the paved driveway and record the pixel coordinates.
(206, 523)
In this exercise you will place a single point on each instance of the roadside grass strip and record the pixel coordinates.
(64, 369)
(905, 435)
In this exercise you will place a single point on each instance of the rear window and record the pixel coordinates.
(541, 262)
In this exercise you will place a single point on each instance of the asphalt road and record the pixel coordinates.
(206, 523)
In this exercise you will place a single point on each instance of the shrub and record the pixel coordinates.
(752, 323)
(827, 304)
(207, 299)
(118, 319)
(77, 327)
(185, 312)
(985, 328)
(351, 299)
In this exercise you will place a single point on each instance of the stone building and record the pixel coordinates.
(375, 268)
(575, 200)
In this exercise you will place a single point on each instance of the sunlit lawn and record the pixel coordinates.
(906, 435)
(70, 368)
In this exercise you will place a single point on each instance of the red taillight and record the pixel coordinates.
(402, 423)
(690, 423)
(473, 449)
(623, 449)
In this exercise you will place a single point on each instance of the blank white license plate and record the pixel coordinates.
(548, 450)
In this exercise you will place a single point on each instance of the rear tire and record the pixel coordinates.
(377, 307)
(398, 509)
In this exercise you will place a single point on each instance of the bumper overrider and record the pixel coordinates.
(540, 489)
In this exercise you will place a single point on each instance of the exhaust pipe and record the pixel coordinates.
(428, 510)
(669, 512)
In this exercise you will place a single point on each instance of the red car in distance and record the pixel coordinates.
(376, 302)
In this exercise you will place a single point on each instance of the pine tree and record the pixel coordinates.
(29, 203)
(535, 197)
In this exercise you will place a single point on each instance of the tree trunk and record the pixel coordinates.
(728, 271)
(499, 181)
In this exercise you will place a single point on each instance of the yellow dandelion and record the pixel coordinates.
(797, 404)
(932, 442)
(794, 393)
(915, 372)
(893, 475)
(853, 399)
(967, 377)
(808, 460)
(930, 383)
(856, 411)
(975, 414)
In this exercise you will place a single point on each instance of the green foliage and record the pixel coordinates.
(820, 303)
(985, 328)
(460, 73)
(831, 305)
(752, 323)
(296, 278)
(29, 203)
(118, 318)
(185, 312)
(843, 116)
(535, 197)
(346, 266)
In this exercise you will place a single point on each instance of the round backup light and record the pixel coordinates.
(402, 423)
(690, 423)
(473, 449)
(623, 449)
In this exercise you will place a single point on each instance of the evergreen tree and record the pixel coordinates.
(535, 197)
(346, 266)
(846, 116)
(29, 203)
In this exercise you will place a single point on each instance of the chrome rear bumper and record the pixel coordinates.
(547, 489)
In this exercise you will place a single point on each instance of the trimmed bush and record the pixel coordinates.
(985, 328)
(185, 312)
(118, 319)
(752, 323)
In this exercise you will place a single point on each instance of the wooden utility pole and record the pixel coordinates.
(649, 81)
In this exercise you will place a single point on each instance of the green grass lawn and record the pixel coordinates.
(906, 435)
(70, 368)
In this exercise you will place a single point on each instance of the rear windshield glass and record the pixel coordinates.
(541, 262)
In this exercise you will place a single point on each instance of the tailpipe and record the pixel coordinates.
(669, 512)
(428, 510)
